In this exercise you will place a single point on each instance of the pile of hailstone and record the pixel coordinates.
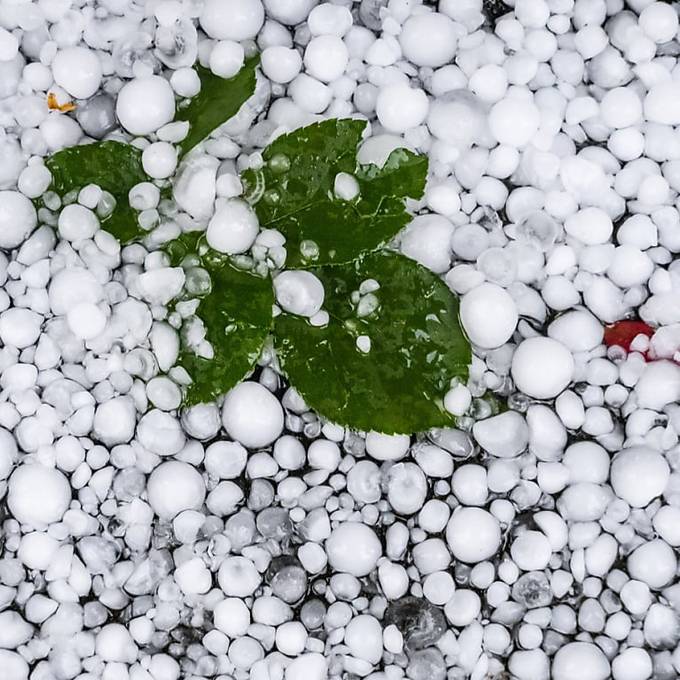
(249, 539)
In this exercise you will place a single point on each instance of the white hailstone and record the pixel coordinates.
(280, 64)
(662, 103)
(9, 45)
(160, 433)
(427, 241)
(457, 118)
(632, 663)
(19, 327)
(353, 548)
(14, 630)
(666, 523)
(76, 222)
(542, 367)
(18, 219)
(114, 643)
(299, 292)
(227, 58)
(653, 563)
(621, 107)
(457, 400)
(400, 107)
(233, 228)
(659, 21)
(252, 415)
(78, 70)
(145, 104)
(473, 534)
(345, 186)
(578, 330)
(71, 286)
(387, 446)
(232, 617)
(238, 576)
(638, 475)
(194, 185)
(580, 661)
(241, 21)
(463, 608)
(86, 320)
(590, 226)
(329, 19)
(531, 551)
(160, 286)
(9, 452)
(406, 488)
(114, 421)
(364, 638)
(658, 385)
(37, 550)
(159, 160)
(175, 486)
(429, 39)
(309, 666)
(326, 58)
(291, 638)
(504, 436)
(488, 315)
(14, 665)
(514, 121)
(38, 495)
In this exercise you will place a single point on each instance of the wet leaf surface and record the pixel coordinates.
(115, 167)
(218, 100)
(294, 193)
(417, 346)
(237, 314)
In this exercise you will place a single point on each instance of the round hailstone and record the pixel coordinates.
(653, 563)
(514, 121)
(86, 321)
(145, 104)
(78, 70)
(9, 453)
(173, 487)
(353, 548)
(233, 228)
(38, 495)
(662, 103)
(238, 576)
(427, 240)
(326, 58)
(252, 415)
(489, 315)
(580, 661)
(364, 637)
(591, 226)
(659, 22)
(299, 292)
(18, 219)
(429, 39)
(309, 666)
(240, 21)
(542, 367)
(387, 446)
(473, 535)
(400, 107)
(638, 475)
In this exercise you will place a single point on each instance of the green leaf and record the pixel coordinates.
(218, 100)
(237, 315)
(417, 346)
(294, 193)
(115, 167)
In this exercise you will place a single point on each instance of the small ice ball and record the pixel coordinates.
(299, 292)
(542, 367)
(580, 661)
(514, 121)
(233, 228)
(18, 219)
(252, 415)
(38, 495)
(638, 475)
(489, 315)
(429, 39)
(78, 70)
(145, 104)
(353, 548)
(173, 487)
(241, 20)
(400, 107)
(473, 535)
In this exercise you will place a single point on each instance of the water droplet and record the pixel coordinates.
(309, 249)
(279, 164)
(271, 196)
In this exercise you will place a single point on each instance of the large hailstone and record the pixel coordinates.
(252, 415)
(542, 367)
(18, 219)
(353, 548)
(145, 104)
(488, 315)
(473, 535)
(38, 495)
(638, 475)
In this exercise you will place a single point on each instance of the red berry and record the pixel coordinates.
(622, 333)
